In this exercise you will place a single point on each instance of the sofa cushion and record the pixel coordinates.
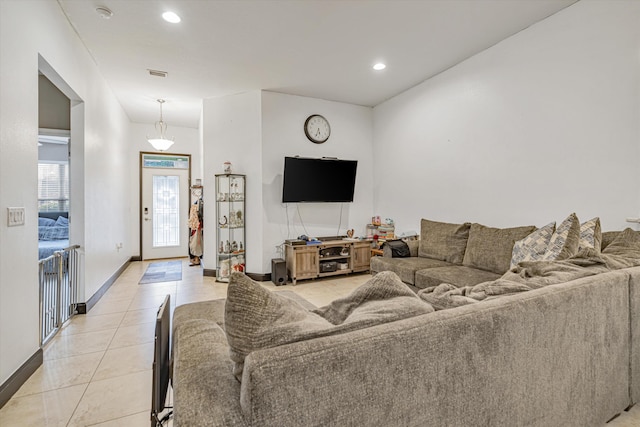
(201, 374)
(405, 268)
(590, 235)
(607, 238)
(565, 241)
(443, 241)
(490, 248)
(256, 318)
(457, 275)
(213, 310)
(534, 246)
(626, 243)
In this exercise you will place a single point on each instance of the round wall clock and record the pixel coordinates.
(317, 128)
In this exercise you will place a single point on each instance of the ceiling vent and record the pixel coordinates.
(157, 73)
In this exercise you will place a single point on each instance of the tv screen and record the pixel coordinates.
(318, 180)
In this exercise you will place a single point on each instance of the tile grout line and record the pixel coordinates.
(100, 362)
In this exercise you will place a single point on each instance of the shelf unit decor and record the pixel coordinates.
(328, 258)
(230, 228)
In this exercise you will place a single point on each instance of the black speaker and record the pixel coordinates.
(278, 271)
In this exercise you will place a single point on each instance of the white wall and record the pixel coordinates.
(187, 141)
(255, 131)
(27, 30)
(543, 124)
(231, 131)
(283, 117)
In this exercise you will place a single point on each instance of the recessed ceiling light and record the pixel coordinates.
(171, 17)
(104, 12)
(379, 66)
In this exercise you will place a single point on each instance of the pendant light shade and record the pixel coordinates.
(161, 143)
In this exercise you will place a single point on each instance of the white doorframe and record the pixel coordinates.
(165, 164)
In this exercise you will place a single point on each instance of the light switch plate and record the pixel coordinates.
(15, 216)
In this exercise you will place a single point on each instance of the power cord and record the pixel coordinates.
(301, 221)
(166, 417)
(286, 210)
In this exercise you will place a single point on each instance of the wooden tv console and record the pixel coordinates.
(328, 258)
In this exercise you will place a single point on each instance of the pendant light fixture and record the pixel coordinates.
(161, 143)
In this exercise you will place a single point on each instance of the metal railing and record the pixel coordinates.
(58, 276)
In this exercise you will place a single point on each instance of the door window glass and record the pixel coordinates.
(166, 211)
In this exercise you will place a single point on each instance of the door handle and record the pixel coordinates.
(147, 219)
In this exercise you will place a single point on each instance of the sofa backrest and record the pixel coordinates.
(491, 248)
(443, 241)
(553, 356)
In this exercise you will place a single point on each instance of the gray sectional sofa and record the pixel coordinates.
(566, 354)
(460, 254)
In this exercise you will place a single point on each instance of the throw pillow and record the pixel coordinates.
(627, 243)
(608, 237)
(443, 241)
(565, 241)
(62, 222)
(590, 235)
(490, 248)
(383, 298)
(534, 246)
(256, 318)
(45, 222)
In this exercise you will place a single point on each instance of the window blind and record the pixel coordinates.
(53, 187)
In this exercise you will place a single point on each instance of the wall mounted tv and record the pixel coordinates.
(318, 180)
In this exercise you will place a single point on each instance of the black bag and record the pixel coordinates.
(399, 249)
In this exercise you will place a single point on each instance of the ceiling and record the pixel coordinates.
(316, 48)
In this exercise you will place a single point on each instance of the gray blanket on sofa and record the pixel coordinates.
(527, 276)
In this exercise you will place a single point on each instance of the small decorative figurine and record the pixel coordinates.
(350, 233)
(224, 268)
(221, 248)
(227, 247)
(241, 249)
(234, 247)
(227, 166)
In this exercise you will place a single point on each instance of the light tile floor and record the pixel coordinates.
(97, 370)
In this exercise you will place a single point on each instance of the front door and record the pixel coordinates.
(164, 205)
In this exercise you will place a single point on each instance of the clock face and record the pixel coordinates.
(317, 128)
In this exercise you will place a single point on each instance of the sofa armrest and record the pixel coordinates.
(205, 392)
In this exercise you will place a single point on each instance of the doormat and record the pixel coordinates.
(166, 271)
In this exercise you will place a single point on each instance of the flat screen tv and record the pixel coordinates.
(318, 180)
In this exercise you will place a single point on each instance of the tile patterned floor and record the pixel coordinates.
(97, 370)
